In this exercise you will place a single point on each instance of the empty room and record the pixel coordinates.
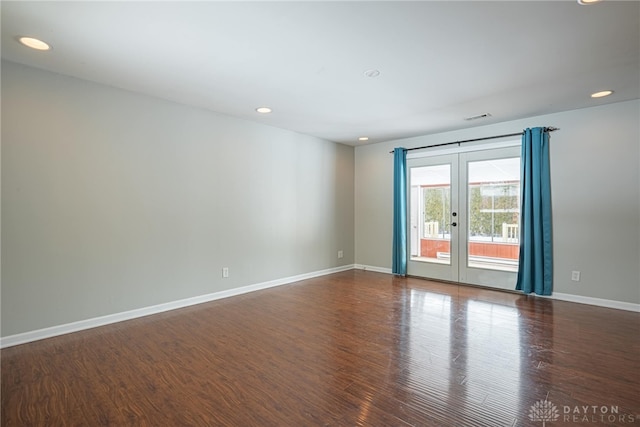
(320, 213)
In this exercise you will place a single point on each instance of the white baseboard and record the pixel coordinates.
(619, 305)
(373, 268)
(12, 340)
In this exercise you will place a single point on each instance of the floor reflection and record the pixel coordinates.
(493, 354)
(464, 354)
(430, 346)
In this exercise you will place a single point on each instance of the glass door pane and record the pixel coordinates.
(490, 217)
(430, 212)
(433, 204)
(493, 228)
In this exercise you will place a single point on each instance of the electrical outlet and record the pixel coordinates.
(340, 254)
(575, 276)
(225, 272)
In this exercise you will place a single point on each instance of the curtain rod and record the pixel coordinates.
(549, 129)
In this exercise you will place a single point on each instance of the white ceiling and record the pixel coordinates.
(439, 61)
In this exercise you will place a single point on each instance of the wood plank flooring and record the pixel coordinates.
(354, 348)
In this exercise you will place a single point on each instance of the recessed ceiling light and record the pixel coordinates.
(363, 138)
(263, 110)
(34, 43)
(601, 94)
(587, 2)
(372, 73)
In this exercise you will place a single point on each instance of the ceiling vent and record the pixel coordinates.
(479, 116)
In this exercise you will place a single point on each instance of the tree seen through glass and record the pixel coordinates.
(490, 206)
(437, 208)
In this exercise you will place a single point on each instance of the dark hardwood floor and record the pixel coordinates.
(351, 349)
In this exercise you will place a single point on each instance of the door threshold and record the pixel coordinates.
(472, 285)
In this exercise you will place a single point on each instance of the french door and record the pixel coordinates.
(464, 217)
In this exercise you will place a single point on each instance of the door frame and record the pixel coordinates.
(458, 270)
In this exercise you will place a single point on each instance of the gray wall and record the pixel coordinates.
(595, 159)
(113, 201)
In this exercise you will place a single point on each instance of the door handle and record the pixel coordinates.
(454, 224)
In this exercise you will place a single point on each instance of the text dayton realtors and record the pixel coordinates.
(596, 414)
